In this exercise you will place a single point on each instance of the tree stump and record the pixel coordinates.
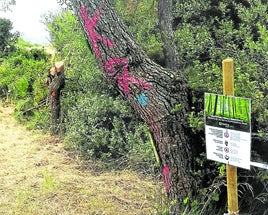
(55, 83)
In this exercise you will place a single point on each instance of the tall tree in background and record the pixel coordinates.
(6, 36)
(165, 15)
(159, 95)
(5, 4)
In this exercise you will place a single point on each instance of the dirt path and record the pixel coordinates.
(37, 177)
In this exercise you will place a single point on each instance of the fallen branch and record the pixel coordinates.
(41, 103)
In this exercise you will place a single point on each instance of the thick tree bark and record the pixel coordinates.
(159, 95)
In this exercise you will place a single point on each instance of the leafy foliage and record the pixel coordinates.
(20, 70)
(212, 31)
(22, 79)
(141, 18)
(6, 36)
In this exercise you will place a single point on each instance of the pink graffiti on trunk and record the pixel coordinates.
(166, 177)
(90, 25)
(123, 79)
(113, 65)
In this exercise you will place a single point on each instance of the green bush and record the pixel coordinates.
(20, 70)
(22, 80)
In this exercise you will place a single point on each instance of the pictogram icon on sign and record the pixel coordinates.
(226, 149)
(226, 134)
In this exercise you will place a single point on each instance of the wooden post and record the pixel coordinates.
(231, 171)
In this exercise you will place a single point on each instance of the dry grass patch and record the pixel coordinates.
(38, 177)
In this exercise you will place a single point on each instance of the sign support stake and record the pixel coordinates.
(231, 171)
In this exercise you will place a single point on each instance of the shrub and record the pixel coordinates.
(22, 80)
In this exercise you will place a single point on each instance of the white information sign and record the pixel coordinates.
(227, 129)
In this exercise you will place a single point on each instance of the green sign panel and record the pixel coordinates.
(228, 129)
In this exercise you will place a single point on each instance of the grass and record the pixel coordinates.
(39, 177)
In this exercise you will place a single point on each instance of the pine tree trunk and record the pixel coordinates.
(159, 95)
(165, 17)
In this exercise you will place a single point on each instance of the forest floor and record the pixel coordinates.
(38, 176)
